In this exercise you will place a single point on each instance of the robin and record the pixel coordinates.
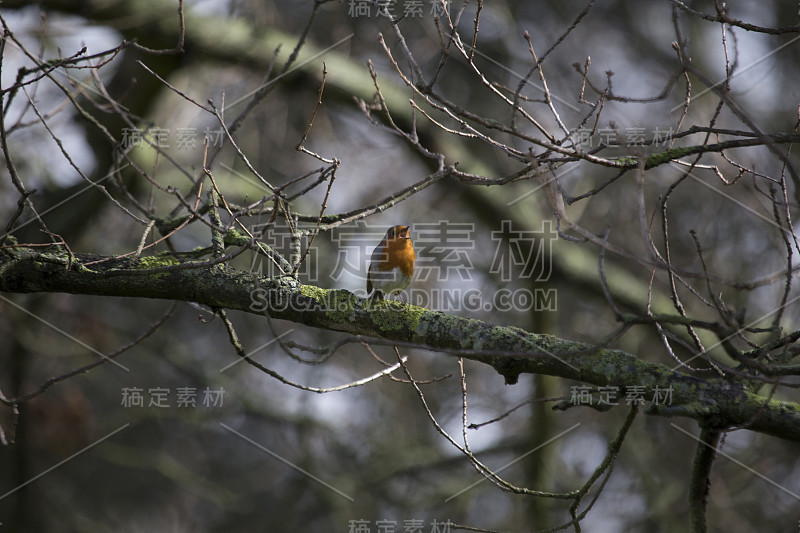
(392, 264)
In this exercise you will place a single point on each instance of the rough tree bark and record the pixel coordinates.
(714, 403)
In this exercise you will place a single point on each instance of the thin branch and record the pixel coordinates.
(86, 368)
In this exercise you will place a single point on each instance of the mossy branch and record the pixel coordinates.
(715, 403)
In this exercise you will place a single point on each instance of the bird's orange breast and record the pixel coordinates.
(399, 254)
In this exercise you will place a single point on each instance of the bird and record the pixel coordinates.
(392, 263)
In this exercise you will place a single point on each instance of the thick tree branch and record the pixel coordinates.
(715, 403)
